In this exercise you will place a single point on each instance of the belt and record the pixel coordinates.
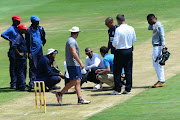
(157, 45)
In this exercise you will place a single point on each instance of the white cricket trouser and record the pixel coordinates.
(157, 50)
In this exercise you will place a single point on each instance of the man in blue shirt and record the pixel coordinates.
(19, 46)
(10, 36)
(158, 42)
(112, 27)
(45, 71)
(35, 37)
(106, 75)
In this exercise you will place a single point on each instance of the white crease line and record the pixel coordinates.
(12, 113)
(97, 111)
(26, 114)
(53, 113)
(153, 102)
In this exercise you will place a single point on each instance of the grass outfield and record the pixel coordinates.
(152, 104)
(59, 15)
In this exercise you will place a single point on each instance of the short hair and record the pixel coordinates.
(87, 49)
(151, 16)
(109, 19)
(120, 17)
(104, 49)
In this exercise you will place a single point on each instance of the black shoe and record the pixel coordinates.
(25, 89)
(12, 87)
(55, 87)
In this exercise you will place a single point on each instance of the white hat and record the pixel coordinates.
(75, 29)
(51, 50)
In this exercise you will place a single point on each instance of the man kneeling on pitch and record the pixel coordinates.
(46, 73)
(106, 75)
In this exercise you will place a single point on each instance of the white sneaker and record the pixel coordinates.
(59, 98)
(98, 86)
(125, 92)
(115, 93)
(83, 101)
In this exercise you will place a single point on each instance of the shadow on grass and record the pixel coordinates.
(7, 89)
(99, 94)
(55, 105)
(138, 87)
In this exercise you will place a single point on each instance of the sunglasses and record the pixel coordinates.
(88, 52)
(107, 23)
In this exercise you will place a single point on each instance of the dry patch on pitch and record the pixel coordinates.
(143, 77)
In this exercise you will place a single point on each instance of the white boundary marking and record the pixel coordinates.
(97, 111)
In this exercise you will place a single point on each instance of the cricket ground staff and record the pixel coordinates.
(35, 38)
(158, 42)
(123, 39)
(10, 35)
(19, 46)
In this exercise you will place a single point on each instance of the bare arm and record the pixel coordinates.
(103, 71)
(20, 54)
(76, 57)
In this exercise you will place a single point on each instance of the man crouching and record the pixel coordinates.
(46, 73)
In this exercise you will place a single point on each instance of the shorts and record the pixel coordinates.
(74, 72)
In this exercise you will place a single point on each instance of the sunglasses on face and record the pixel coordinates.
(88, 52)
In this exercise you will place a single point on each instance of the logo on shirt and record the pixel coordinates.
(112, 32)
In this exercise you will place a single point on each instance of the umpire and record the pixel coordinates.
(123, 39)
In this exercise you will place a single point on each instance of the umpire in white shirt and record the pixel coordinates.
(123, 39)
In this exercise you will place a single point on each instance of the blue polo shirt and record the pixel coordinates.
(111, 33)
(10, 33)
(108, 61)
(44, 68)
(35, 44)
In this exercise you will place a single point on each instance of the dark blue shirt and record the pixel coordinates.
(111, 33)
(20, 44)
(33, 38)
(44, 69)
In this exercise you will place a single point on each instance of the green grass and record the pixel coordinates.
(152, 104)
(59, 15)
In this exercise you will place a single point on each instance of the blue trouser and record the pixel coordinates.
(51, 81)
(12, 60)
(123, 58)
(33, 66)
(21, 70)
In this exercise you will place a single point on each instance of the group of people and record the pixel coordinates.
(114, 69)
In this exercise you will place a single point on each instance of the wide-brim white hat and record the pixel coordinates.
(75, 29)
(51, 50)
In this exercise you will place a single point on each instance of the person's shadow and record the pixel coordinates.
(7, 89)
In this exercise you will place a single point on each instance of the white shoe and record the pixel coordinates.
(98, 86)
(115, 93)
(83, 101)
(59, 98)
(125, 92)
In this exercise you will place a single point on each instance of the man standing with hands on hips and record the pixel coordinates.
(158, 42)
(10, 35)
(74, 66)
(123, 39)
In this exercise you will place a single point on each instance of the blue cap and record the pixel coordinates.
(35, 18)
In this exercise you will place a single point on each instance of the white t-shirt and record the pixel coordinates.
(95, 62)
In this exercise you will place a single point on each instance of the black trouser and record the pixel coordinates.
(123, 58)
(92, 77)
